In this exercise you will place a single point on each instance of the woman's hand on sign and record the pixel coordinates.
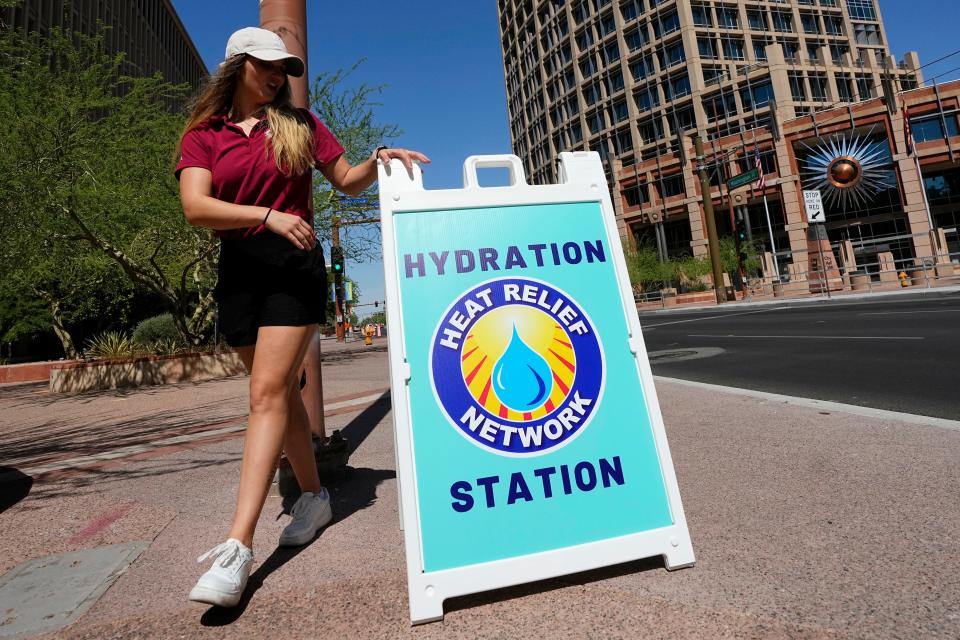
(293, 228)
(353, 180)
(406, 156)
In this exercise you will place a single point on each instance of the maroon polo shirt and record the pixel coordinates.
(244, 170)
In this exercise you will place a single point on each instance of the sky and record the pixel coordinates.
(442, 68)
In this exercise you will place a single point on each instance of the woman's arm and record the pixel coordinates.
(352, 180)
(203, 210)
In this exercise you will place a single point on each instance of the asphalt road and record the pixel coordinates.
(896, 353)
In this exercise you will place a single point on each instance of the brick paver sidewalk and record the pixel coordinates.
(805, 525)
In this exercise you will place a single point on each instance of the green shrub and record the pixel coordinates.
(645, 269)
(157, 329)
(112, 345)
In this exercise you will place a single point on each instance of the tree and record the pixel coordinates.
(331, 308)
(380, 317)
(86, 189)
(645, 269)
(349, 114)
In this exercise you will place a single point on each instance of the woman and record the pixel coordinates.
(245, 171)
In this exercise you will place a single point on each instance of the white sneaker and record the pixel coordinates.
(310, 513)
(224, 582)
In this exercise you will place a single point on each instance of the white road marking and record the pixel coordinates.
(134, 449)
(891, 313)
(823, 405)
(722, 315)
(730, 335)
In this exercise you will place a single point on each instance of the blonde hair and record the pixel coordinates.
(291, 131)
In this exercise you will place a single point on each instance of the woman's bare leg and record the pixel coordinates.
(299, 450)
(279, 352)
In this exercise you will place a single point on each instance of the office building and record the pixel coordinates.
(148, 31)
(625, 78)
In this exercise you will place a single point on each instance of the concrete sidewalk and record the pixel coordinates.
(806, 524)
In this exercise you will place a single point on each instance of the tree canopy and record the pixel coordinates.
(93, 235)
(86, 188)
(349, 113)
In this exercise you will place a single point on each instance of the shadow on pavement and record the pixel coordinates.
(361, 426)
(14, 487)
(220, 616)
(68, 436)
(336, 356)
(552, 584)
(97, 478)
(355, 493)
(359, 492)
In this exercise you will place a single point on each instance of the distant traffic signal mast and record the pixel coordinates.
(337, 266)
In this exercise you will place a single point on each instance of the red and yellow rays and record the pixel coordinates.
(477, 368)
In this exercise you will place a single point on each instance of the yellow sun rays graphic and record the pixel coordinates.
(487, 341)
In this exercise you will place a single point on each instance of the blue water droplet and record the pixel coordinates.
(521, 377)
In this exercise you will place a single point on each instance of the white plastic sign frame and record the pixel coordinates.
(582, 180)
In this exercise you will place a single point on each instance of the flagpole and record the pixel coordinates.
(923, 190)
(773, 245)
(911, 151)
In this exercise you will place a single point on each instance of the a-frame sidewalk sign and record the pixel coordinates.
(528, 435)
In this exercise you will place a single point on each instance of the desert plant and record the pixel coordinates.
(728, 255)
(646, 270)
(168, 347)
(690, 271)
(112, 345)
(157, 329)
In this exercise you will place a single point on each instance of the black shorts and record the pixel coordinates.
(265, 281)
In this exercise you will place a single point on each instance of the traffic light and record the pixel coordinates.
(336, 260)
(741, 230)
(376, 303)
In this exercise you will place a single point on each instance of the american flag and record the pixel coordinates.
(761, 179)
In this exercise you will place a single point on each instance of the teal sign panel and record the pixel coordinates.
(530, 427)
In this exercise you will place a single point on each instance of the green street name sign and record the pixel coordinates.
(744, 178)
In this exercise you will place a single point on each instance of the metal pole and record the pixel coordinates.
(773, 245)
(288, 19)
(934, 239)
(340, 307)
(923, 190)
(736, 239)
(711, 223)
(823, 266)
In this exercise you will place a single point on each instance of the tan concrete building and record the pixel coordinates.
(891, 191)
(626, 78)
(148, 31)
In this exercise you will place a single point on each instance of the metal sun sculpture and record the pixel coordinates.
(847, 169)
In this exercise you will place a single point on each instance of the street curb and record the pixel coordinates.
(797, 302)
(823, 405)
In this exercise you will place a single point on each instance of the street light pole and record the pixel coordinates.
(711, 223)
(288, 19)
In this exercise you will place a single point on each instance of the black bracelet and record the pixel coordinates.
(269, 211)
(376, 152)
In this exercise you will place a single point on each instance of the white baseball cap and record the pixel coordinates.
(263, 45)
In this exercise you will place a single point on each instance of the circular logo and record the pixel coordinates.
(517, 366)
